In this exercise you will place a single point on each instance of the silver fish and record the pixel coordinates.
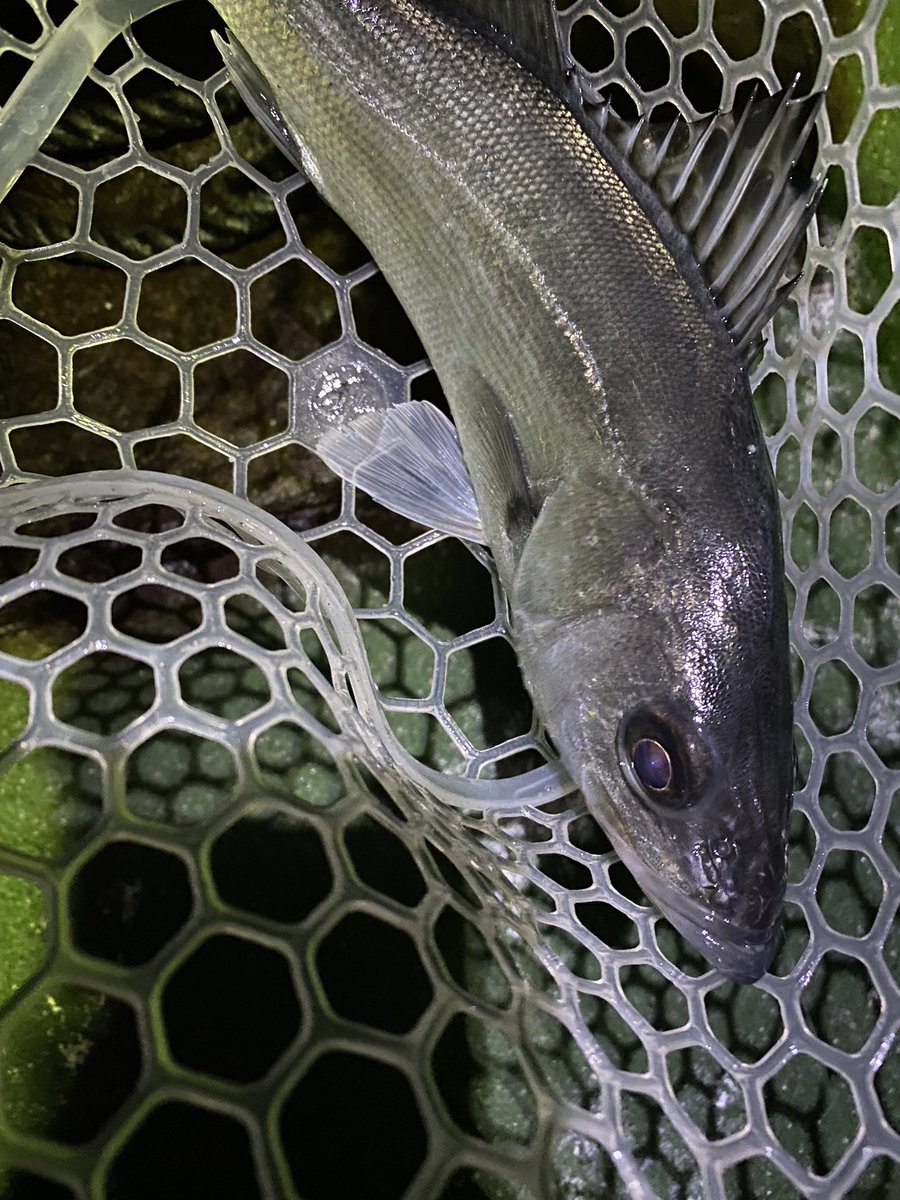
(591, 330)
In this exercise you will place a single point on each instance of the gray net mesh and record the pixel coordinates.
(294, 900)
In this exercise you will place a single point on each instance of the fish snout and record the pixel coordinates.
(732, 909)
(745, 959)
(736, 932)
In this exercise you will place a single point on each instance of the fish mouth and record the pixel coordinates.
(742, 954)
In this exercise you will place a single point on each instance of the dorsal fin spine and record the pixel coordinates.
(693, 159)
(664, 147)
(718, 175)
(634, 134)
(789, 239)
(705, 248)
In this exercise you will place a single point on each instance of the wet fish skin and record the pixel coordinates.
(565, 316)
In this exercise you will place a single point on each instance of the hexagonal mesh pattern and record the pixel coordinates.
(296, 903)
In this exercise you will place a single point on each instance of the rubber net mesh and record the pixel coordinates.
(260, 938)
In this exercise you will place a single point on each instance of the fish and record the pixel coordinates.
(590, 294)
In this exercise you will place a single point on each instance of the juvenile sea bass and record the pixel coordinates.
(588, 310)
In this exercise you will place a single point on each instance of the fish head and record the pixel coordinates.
(667, 693)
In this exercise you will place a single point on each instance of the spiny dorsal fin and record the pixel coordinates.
(731, 185)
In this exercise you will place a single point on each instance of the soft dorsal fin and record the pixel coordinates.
(732, 186)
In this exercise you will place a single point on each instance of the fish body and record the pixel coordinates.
(604, 413)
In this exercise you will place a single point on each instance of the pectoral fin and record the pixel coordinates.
(256, 93)
(409, 459)
(501, 462)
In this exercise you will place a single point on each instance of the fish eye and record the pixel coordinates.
(663, 760)
(652, 765)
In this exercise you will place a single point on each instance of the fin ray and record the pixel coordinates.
(256, 93)
(408, 458)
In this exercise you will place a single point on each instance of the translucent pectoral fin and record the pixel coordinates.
(257, 94)
(409, 459)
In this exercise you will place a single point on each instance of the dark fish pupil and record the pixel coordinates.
(652, 765)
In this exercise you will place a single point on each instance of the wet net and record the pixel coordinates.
(294, 901)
